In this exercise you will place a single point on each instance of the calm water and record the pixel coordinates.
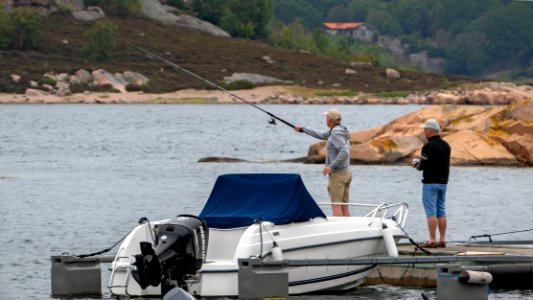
(76, 178)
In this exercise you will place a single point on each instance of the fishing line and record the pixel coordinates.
(190, 73)
(502, 233)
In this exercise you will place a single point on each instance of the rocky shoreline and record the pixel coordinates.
(478, 135)
(486, 93)
(495, 129)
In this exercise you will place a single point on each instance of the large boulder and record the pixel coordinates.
(92, 13)
(104, 78)
(256, 79)
(475, 148)
(81, 77)
(134, 79)
(478, 135)
(154, 10)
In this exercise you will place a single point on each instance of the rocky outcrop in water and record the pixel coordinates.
(478, 135)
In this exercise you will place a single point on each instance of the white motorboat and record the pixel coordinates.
(253, 215)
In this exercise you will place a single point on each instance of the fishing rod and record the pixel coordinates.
(188, 72)
(474, 237)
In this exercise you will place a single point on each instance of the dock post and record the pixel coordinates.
(74, 276)
(453, 285)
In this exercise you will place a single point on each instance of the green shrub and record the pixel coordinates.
(117, 7)
(25, 24)
(134, 88)
(13, 89)
(238, 85)
(177, 3)
(365, 57)
(100, 40)
(392, 94)
(47, 80)
(5, 29)
(344, 93)
(78, 88)
(106, 88)
(64, 7)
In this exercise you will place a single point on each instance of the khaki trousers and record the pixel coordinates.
(339, 186)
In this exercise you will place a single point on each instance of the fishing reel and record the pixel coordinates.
(272, 121)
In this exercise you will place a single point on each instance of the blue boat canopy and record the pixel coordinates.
(238, 200)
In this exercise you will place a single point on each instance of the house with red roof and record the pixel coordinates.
(357, 30)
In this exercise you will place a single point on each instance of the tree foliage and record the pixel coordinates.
(100, 40)
(469, 34)
(240, 18)
(5, 29)
(19, 29)
(208, 10)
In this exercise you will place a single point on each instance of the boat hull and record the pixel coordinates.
(221, 279)
(332, 238)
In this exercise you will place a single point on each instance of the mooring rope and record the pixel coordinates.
(141, 220)
(415, 243)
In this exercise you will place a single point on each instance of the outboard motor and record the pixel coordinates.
(181, 247)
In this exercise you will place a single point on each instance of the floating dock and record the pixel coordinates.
(508, 273)
(508, 266)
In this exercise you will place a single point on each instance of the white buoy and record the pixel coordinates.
(388, 237)
(475, 277)
(276, 252)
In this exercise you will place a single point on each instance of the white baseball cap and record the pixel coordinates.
(431, 124)
(333, 114)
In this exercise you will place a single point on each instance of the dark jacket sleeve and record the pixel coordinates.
(424, 156)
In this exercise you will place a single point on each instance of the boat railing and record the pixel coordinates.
(381, 211)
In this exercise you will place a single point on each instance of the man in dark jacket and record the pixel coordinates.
(435, 164)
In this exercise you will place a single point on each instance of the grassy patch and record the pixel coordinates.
(106, 88)
(187, 100)
(238, 85)
(13, 90)
(345, 93)
(302, 91)
(48, 80)
(392, 94)
(314, 92)
(448, 85)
